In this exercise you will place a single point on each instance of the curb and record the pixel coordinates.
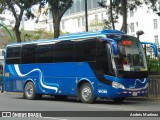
(144, 98)
(128, 98)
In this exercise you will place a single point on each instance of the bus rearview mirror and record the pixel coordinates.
(112, 43)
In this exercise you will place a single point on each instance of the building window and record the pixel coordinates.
(137, 24)
(50, 27)
(96, 18)
(50, 15)
(132, 27)
(83, 22)
(89, 4)
(156, 40)
(155, 24)
(82, 5)
(131, 13)
(78, 7)
(95, 3)
(102, 17)
(79, 22)
(63, 25)
(72, 9)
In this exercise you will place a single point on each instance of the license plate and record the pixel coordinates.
(134, 94)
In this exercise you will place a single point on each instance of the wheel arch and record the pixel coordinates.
(82, 81)
(28, 80)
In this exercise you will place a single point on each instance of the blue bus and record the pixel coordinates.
(105, 64)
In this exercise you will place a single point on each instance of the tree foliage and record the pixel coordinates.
(37, 35)
(58, 8)
(4, 38)
(153, 65)
(18, 8)
(98, 25)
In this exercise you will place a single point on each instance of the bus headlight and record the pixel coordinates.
(117, 85)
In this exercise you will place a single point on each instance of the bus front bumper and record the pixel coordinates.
(120, 93)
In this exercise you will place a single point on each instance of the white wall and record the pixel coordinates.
(145, 23)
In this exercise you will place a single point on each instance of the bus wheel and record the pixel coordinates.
(118, 100)
(86, 93)
(29, 91)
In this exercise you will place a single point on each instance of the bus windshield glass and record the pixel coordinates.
(130, 55)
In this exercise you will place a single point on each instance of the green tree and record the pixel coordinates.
(98, 25)
(37, 35)
(19, 8)
(58, 8)
(4, 38)
(109, 11)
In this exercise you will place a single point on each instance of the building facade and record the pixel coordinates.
(74, 20)
(147, 21)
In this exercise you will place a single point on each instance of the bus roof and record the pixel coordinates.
(85, 34)
(74, 36)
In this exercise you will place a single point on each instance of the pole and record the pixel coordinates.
(11, 37)
(86, 15)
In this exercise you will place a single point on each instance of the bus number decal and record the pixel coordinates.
(102, 91)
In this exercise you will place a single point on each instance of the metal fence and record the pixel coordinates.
(154, 86)
(153, 64)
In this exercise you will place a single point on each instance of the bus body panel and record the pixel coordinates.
(62, 76)
(62, 79)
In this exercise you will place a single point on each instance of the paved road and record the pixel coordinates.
(15, 102)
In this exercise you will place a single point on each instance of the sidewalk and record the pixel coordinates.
(144, 98)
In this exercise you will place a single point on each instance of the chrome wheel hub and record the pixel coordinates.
(86, 93)
(29, 90)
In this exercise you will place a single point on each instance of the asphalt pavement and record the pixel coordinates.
(11, 102)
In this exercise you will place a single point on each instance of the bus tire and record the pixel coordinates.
(86, 94)
(29, 91)
(118, 100)
(1, 88)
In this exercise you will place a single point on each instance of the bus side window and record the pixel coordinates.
(101, 45)
(102, 62)
(102, 58)
(45, 53)
(85, 50)
(64, 51)
(13, 55)
(28, 54)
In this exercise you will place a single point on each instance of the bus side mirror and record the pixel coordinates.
(112, 43)
(114, 48)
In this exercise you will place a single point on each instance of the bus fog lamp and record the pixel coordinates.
(117, 85)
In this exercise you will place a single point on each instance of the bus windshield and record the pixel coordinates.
(130, 55)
